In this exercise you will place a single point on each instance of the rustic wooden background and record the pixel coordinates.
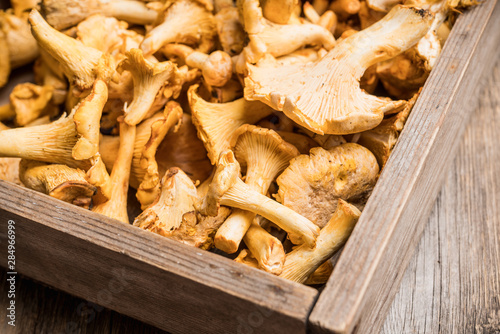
(452, 284)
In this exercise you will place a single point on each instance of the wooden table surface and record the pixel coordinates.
(452, 284)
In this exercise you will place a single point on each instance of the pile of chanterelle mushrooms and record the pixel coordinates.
(257, 122)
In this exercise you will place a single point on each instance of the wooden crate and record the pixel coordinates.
(186, 290)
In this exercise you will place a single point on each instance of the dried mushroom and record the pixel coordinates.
(313, 94)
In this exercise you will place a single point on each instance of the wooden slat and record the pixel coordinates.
(367, 276)
(159, 281)
(453, 281)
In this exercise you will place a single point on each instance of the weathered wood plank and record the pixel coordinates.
(453, 282)
(361, 288)
(143, 275)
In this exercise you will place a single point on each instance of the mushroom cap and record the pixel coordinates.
(178, 195)
(184, 21)
(263, 152)
(30, 101)
(324, 96)
(217, 122)
(312, 183)
(218, 69)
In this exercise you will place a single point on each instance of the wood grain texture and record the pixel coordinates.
(452, 284)
(366, 278)
(143, 275)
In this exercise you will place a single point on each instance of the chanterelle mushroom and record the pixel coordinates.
(30, 101)
(87, 120)
(4, 60)
(149, 189)
(184, 21)
(301, 262)
(148, 80)
(62, 14)
(312, 183)
(9, 170)
(230, 30)
(278, 39)
(81, 64)
(381, 139)
(117, 184)
(51, 143)
(264, 154)
(228, 189)
(22, 47)
(217, 68)
(278, 11)
(178, 195)
(59, 181)
(325, 96)
(217, 122)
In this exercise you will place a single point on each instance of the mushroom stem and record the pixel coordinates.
(79, 63)
(6, 112)
(230, 234)
(134, 12)
(267, 250)
(117, 185)
(241, 196)
(301, 262)
(87, 117)
(62, 14)
(52, 143)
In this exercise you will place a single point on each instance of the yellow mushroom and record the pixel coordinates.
(62, 14)
(118, 182)
(59, 181)
(312, 183)
(216, 122)
(184, 21)
(228, 189)
(80, 64)
(29, 102)
(230, 30)
(324, 96)
(265, 155)
(178, 195)
(278, 39)
(9, 169)
(22, 47)
(278, 11)
(51, 143)
(149, 189)
(302, 261)
(87, 121)
(148, 78)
